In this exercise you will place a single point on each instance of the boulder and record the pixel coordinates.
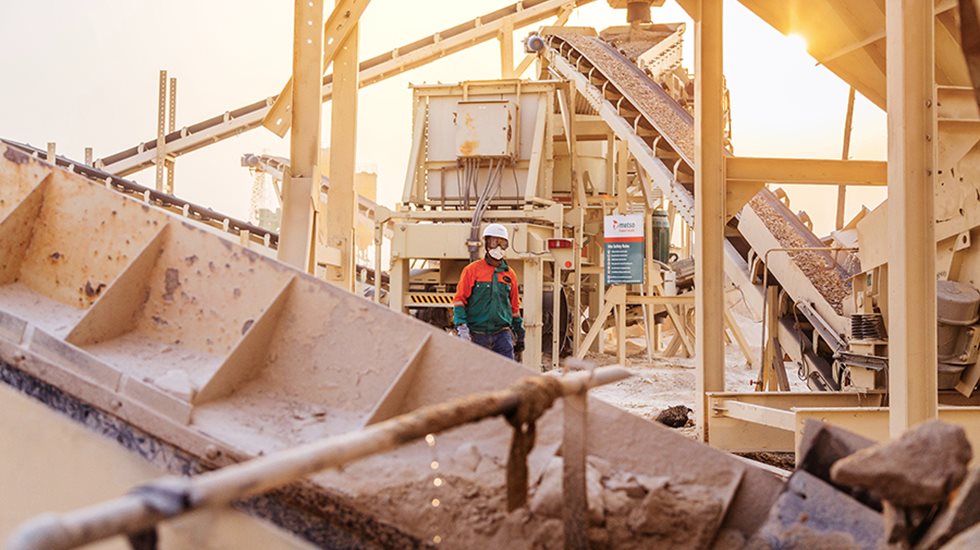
(918, 469)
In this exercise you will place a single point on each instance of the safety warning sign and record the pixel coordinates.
(624, 249)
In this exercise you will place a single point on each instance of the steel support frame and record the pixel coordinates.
(337, 228)
(340, 26)
(845, 153)
(304, 148)
(912, 377)
(775, 421)
(533, 311)
(233, 122)
(807, 171)
(709, 207)
(161, 152)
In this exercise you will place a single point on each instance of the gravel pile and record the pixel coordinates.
(817, 266)
(660, 109)
(634, 42)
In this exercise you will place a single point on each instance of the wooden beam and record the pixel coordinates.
(808, 171)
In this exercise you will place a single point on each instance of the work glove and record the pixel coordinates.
(519, 345)
(463, 332)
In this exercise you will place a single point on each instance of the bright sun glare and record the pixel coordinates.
(797, 42)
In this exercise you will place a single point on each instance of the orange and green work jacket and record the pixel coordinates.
(487, 299)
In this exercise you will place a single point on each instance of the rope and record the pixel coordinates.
(168, 497)
(536, 396)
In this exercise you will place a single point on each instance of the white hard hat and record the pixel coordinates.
(496, 230)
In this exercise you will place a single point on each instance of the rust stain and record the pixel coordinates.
(171, 283)
(15, 156)
(467, 147)
(91, 291)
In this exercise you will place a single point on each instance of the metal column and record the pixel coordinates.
(533, 313)
(342, 202)
(506, 39)
(171, 126)
(911, 219)
(709, 217)
(304, 147)
(398, 284)
(845, 153)
(161, 126)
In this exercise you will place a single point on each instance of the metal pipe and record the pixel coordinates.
(175, 496)
(765, 284)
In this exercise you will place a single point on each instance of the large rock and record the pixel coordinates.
(811, 513)
(822, 445)
(677, 517)
(547, 500)
(963, 511)
(919, 468)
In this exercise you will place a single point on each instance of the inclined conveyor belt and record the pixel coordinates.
(628, 100)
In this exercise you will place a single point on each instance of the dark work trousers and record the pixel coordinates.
(501, 342)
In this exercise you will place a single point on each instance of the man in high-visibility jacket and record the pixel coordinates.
(486, 309)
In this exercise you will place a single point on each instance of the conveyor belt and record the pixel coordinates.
(406, 57)
(627, 100)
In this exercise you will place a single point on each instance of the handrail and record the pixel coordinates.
(171, 203)
(173, 496)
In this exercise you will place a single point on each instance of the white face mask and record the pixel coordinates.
(496, 253)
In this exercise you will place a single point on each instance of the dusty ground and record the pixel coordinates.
(667, 381)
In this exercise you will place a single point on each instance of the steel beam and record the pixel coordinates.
(304, 148)
(409, 56)
(533, 312)
(341, 25)
(845, 152)
(161, 153)
(171, 125)
(912, 246)
(709, 206)
(341, 207)
(807, 171)
(506, 39)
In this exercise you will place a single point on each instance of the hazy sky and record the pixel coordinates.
(85, 74)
